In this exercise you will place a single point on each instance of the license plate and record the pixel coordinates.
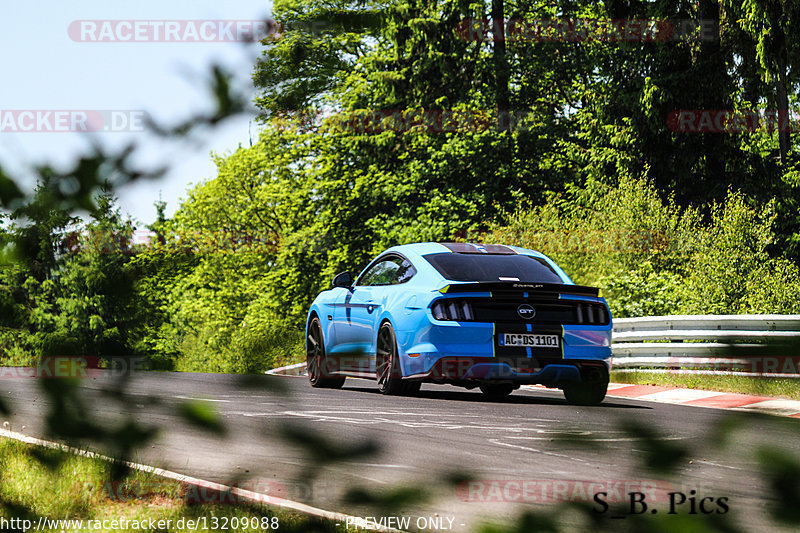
(529, 340)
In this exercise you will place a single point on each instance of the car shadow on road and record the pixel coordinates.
(514, 398)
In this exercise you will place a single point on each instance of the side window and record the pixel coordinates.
(405, 272)
(390, 271)
(382, 273)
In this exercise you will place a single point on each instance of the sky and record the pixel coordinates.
(50, 64)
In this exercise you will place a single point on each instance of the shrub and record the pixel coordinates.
(652, 258)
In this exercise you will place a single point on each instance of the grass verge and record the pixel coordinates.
(38, 483)
(772, 387)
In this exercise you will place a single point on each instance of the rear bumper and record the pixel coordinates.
(468, 352)
(459, 370)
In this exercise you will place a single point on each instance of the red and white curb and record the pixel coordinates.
(705, 398)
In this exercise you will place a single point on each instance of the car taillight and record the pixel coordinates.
(591, 313)
(452, 310)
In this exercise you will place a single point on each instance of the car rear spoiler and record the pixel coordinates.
(518, 286)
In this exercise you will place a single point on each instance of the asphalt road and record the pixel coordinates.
(530, 452)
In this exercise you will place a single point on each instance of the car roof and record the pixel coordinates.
(416, 251)
(425, 248)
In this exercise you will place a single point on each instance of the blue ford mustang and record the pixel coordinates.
(487, 316)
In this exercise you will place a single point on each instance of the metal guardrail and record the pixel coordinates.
(762, 345)
(749, 344)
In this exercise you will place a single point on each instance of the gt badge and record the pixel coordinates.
(526, 311)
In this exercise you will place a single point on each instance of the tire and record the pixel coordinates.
(387, 365)
(412, 387)
(316, 362)
(586, 393)
(496, 391)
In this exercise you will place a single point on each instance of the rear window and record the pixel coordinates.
(486, 267)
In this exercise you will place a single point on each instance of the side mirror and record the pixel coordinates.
(343, 279)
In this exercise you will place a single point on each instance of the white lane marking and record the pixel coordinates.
(418, 412)
(244, 397)
(272, 414)
(679, 395)
(281, 369)
(719, 465)
(406, 467)
(360, 476)
(536, 450)
(379, 418)
(255, 497)
(626, 438)
(784, 407)
(405, 412)
(615, 386)
(201, 399)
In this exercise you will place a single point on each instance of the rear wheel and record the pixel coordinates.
(316, 362)
(387, 365)
(586, 393)
(412, 387)
(496, 391)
